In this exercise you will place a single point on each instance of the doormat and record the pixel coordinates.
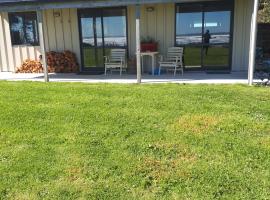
(90, 73)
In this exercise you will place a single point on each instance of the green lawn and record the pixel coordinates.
(83, 141)
(89, 56)
(217, 56)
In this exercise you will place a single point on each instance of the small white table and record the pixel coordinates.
(153, 55)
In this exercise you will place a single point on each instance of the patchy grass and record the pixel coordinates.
(82, 141)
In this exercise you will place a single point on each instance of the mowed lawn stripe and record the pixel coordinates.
(111, 141)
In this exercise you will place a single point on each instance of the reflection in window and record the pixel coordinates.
(218, 24)
(188, 28)
(87, 31)
(98, 28)
(190, 24)
(114, 25)
(23, 28)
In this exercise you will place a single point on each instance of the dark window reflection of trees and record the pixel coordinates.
(23, 28)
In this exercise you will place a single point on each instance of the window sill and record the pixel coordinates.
(25, 45)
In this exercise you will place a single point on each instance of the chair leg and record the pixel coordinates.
(174, 71)
(159, 70)
(105, 71)
(182, 69)
(120, 71)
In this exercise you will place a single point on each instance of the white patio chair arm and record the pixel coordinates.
(107, 59)
(161, 58)
(122, 61)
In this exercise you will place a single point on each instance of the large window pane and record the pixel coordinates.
(114, 25)
(89, 57)
(192, 56)
(23, 28)
(87, 31)
(204, 30)
(98, 27)
(217, 55)
(88, 41)
(188, 28)
(218, 26)
(101, 30)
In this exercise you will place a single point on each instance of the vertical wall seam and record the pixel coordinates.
(54, 27)
(70, 28)
(21, 56)
(164, 28)
(46, 31)
(5, 43)
(156, 24)
(14, 58)
(35, 53)
(3, 49)
(1, 63)
(9, 43)
(63, 30)
(27, 52)
(244, 36)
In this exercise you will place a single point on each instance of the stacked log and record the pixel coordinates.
(62, 62)
(30, 66)
(58, 62)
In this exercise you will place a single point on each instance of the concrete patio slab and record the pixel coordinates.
(188, 78)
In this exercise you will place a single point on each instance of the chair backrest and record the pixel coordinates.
(118, 55)
(175, 52)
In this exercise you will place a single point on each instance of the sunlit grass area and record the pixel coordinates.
(83, 141)
(95, 56)
(216, 56)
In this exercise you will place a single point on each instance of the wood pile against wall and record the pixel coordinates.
(63, 62)
(30, 66)
(58, 62)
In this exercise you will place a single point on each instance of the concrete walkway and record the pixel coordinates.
(189, 77)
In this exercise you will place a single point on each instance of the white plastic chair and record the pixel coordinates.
(116, 61)
(173, 60)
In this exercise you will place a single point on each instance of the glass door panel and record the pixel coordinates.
(217, 57)
(101, 30)
(88, 41)
(99, 43)
(189, 21)
(216, 39)
(189, 28)
(192, 57)
(115, 30)
(204, 30)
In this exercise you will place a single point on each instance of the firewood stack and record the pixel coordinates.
(62, 62)
(30, 66)
(58, 62)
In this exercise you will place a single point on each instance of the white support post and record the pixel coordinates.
(138, 44)
(253, 41)
(42, 45)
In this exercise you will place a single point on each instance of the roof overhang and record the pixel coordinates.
(26, 5)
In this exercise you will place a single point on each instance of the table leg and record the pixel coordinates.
(142, 63)
(153, 65)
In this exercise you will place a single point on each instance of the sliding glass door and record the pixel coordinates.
(100, 31)
(216, 54)
(189, 33)
(204, 30)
